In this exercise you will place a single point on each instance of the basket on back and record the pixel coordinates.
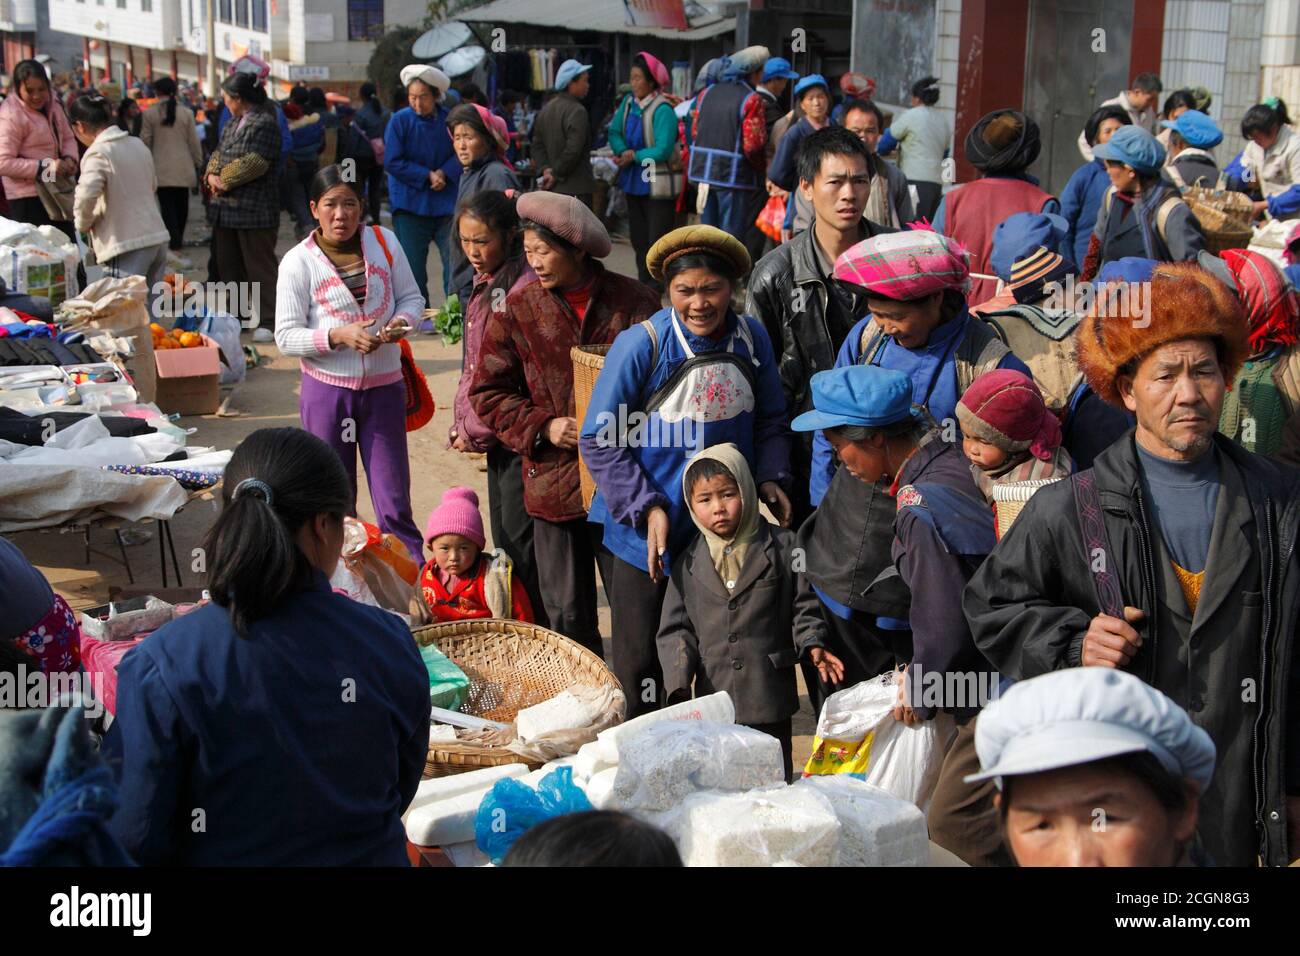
(588, 360)
(1225, 216)
(1010, 499)
(510, 665)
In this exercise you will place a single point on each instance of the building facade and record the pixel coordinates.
(326, 42)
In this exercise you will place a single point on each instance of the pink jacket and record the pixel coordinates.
(28, 136)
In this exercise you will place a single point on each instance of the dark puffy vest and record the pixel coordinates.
(716, 156)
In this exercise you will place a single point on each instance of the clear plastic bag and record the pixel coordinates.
(669, 761)
(512, 808)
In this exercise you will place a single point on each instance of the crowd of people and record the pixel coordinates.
(826, 422)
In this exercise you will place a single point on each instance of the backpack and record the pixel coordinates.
(727, 356)
(1045, 342)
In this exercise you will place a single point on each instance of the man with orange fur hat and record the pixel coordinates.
(1174, 557)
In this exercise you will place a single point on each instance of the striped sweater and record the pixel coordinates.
(311, 299)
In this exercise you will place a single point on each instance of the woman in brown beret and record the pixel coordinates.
(695, 375)
(523, 389)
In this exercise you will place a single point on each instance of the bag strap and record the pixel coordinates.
(1096, 543)
(384, 245)
(649, 327)
(1163, 211)
(1176, 176)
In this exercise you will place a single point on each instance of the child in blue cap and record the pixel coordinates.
(1191, 137)
(942, 532)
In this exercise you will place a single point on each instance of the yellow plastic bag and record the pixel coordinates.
(840, 756)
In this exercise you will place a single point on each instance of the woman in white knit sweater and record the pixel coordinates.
(344, 298)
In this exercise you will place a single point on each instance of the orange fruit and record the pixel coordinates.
(156, 329)
(191, 340)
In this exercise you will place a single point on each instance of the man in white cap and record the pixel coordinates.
(562, 136)
(423, 173)
(729, 144)
(1095, 768)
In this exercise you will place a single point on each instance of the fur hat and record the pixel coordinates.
(1183, 301)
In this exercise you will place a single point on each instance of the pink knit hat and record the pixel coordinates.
(658, 72)
(1005, 408)
(458, 514)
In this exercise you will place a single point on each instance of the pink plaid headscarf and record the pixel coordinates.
(906, 265)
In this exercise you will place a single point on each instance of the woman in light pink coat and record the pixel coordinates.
(34, 134)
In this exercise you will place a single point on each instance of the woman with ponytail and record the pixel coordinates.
(168, 129)
(289, 720)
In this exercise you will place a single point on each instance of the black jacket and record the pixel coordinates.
(800, 335)
(743, 642)
(1030, 604)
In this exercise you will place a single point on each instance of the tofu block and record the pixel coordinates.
(876, 827)
(564, 711)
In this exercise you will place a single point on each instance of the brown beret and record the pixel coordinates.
(568, 218)
(689, 239)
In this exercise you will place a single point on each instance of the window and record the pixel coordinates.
(146, 6)
(223, 12)
(121, 4)
(241, 13)
(365, 19)
(259, 15)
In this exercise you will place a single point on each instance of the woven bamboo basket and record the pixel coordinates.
(1225, 217)
(588, 360)
(1010, 499)
(510, 665)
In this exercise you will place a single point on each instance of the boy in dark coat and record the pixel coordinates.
(728, 615)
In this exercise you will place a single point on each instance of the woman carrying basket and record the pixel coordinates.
(695, 375)
(523, 389)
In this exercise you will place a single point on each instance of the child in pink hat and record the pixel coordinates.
(1008, 432)
(461, 582)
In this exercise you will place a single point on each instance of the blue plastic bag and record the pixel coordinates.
(511, 808)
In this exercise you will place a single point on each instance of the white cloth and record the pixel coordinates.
(430, 75)
(45, 496)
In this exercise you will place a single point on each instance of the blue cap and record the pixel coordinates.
(1082, 715)
(778, 68)
(1020, 236)
(1128, 269)
(809, 81)
(1196, 129)
(1133, 146)
(569, 71)
(864, 395)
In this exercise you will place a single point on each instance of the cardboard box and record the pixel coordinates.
(189, 380)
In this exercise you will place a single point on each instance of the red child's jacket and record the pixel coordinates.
(469, 600)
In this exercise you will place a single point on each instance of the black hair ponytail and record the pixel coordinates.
(278, 480)
(926, 90)
(165, 86)
(1266, 118)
